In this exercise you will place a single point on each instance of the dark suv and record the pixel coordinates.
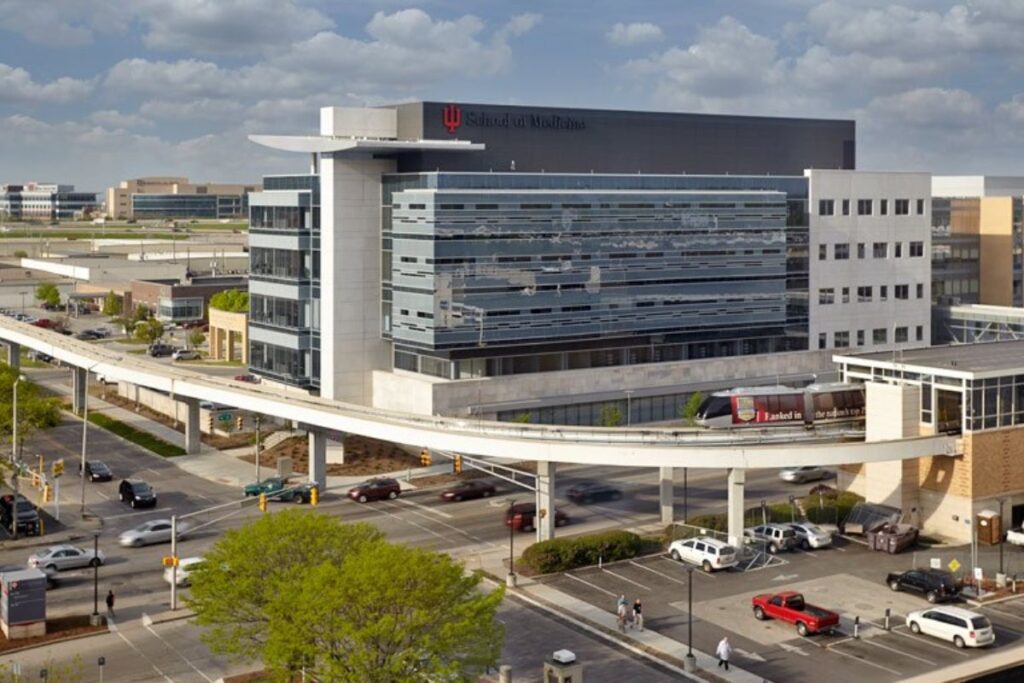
(158, 349)
(137, 493)
(97, 471)
(521, 516)
(28, 515)
(935, 584)
(375, 489)
(592, 492)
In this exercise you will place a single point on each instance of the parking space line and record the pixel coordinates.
(807, 552)
(925, 641)
(812, 642)
(620, 576)
(872, 641)
(1003, 613)
(655, 571)
(864, 661)
(998, 627)
(102, 495)
(587, 583)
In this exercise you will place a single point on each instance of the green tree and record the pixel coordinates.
(387, 613)
(148, 331)
(688, 413)
(611, 415)
(123, 323)
(34, 410)
(196, 338)
(522, 418)
(231, 300)
(56, 672)
(20, 253)
(141, 312)
(47, 293)
(112, 304)
(251, 567)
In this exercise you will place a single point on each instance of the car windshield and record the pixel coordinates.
(99, 467)
(727, 550)
(25, 506)
(141, 488)
(980, 622)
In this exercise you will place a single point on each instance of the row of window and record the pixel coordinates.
(879, 336)
(827, 295)
(841, 250)
(867, 207)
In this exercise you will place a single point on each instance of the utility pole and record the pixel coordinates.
(259, 419)
(85, 426)
(174, 562)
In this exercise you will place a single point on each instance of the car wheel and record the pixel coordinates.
(362, 498)
(932, 597)
(805, 545)
(894, 586)
(959, 642)
(133, 503)
(95, 562)
(528, 526)
(914, 627)
(802, 629)
(137, 543)
(560, 522)
(773, 549)
(457, 499)
(759, 613)
(706, 566)
(616, 496)
(487, 494)
(675, 556)
(51, 567)
(297, 499)
(392, 495)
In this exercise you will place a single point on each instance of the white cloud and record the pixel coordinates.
(63, 23)
(112, 118)
(17, 86)
(935, 108)
(635, 33)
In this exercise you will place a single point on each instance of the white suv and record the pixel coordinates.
(961, 626)
(709, 553)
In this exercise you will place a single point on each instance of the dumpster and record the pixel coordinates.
(892, 538)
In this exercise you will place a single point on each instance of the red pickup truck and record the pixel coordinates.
(791, 607)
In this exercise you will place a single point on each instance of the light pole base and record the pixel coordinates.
(689, 663)
(511, 579)
(95, 620)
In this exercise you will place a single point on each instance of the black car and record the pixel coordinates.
(303, 493)
(137, 493)
(468, 490)
(935, 584)
(96, 471)
(593, 492)
(27, 514)
(87, 335)
(159, 349)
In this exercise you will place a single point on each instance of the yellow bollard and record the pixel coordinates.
(42, 527)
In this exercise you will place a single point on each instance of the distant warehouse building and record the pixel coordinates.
(176, 197)
(43, 201)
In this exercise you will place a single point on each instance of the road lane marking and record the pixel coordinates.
(1003, 613)
(102, 495)
(426, 508)
(655, 571)
(113, 627)
(807, 552)
(902, 653)
(456, 529)
(587, 583)
(620, 576)
(793, 649)
(751, 655)
(926, 640)
(178, 652)
(864, 661)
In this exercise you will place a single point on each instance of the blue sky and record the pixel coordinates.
(92, 91)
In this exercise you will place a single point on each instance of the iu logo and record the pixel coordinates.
(451, 117)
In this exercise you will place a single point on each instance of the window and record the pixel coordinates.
(879, 335)
(916, 249)
(826, 207)
(860, 250)
(864, 207)
(880, 249)
(920, 207)
(846, 207)
(920, 291)
(846, 295)
(823, 340)
(860, 337)
(826, 296)
(901, 336)
(883, 207)
(901, 292)
(822, 252)
(841, 251)
(898, 247)
(842, 339)
(883, 293)
(864, 294)
(902, 207)
(919, 332)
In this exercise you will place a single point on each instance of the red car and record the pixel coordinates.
(251, 379)
(44, 323)
(375, 489)
(521, 516)
(468, 490)
(791, 607)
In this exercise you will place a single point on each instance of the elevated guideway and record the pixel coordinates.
(664, 448)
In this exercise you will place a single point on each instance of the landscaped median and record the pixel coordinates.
(136, 436)
(563, 554)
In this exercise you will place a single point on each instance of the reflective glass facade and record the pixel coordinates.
(213, 206)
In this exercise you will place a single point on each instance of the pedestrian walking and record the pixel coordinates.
(638, 615)
(110, 603)
(620, 616)
(724, 651)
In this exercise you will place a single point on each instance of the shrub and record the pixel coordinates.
(563, 554)
(136, 436)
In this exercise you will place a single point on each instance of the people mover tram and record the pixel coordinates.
(780, 406)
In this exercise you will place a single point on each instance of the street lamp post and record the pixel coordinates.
(1002, 536)
(14, 421)
(85, 426)
(95, 618)
(689, 661)
(510, 580)
(23, 301)
(629, 407)
(258, 420)
(686, 495)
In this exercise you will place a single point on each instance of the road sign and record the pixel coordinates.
(936, 563)
(224, 417)
(58, 468)
(979, 574)
(954, 565)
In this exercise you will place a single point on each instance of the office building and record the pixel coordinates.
(175, 197)
(433, 247)
(185, 300)
(44, 202)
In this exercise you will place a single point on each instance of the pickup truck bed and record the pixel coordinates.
(1015, 536)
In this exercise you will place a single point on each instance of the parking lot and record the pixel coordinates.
(848, 579)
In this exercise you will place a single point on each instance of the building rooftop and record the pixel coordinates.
(968, 361)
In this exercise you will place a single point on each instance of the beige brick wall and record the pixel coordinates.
(994, 457)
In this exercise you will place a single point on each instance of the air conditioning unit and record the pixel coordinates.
(564, 656)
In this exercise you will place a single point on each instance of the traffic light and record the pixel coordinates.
(239, 422)
(35, 479)
(425, 458)
(47, 493)
(209, 423)
(314, 495)
(457, 464)
(58, 468)
(169, 561)
(263, 502)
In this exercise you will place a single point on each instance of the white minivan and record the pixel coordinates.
(962, 627)
(709, 553)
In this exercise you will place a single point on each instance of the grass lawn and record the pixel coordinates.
(140, 438)
(59, 233)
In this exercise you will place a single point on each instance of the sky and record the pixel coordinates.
(95, 91)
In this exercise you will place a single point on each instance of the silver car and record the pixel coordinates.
(810, 535)
(147, 533)
(800, 475)
(60, 557)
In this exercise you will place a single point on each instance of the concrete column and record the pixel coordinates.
(545, 500)
(737, 481)
(231, 345)
(213, 348)
(245, 344)
(192, 433)
(318, 457)
(79, 383)
(666, 495)
(14, 355)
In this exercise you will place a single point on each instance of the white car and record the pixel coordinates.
(960, 626)
(708, 553)
(59, 557)
(810, 535)
(147, 533)
(185, 354)
(186, 566)
(800, 475)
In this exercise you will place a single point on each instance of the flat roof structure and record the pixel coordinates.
(965, 361)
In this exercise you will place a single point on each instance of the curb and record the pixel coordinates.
(164, 617)
(56, 641)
